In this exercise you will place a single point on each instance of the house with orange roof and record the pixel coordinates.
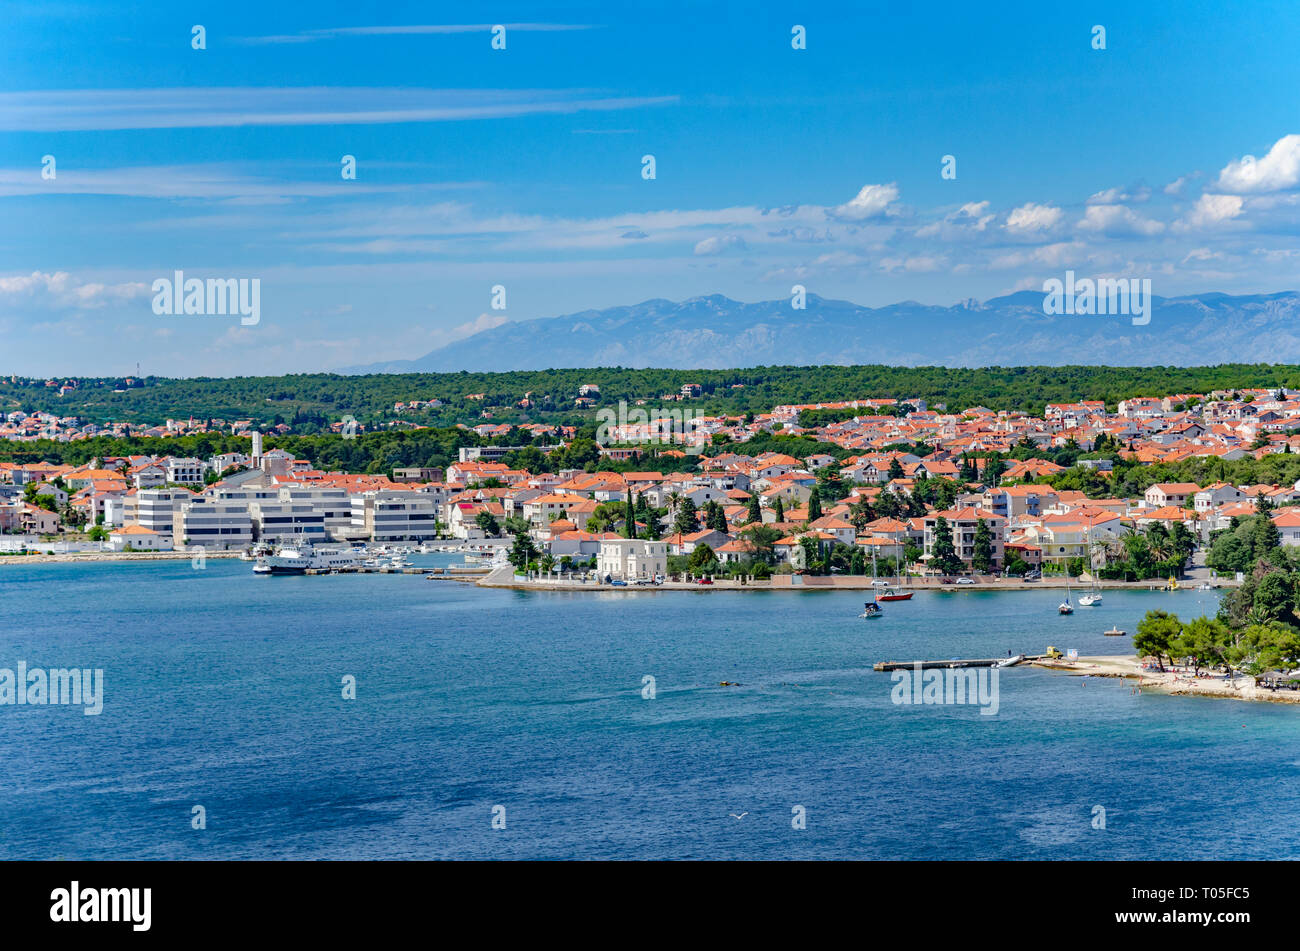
(1170, 493)
(1168, 515)
(736, 551)
(138, 538)
(683, 544)
(36, 520)
(840, 529)
(545, 508)
(1287, 522)
(577, 544)
(1012, 501)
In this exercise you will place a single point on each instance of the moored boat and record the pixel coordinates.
(298, 558)
(893, 594)
(1065, 607)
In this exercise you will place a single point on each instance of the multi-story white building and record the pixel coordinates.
(963, 524)
(155, 509)
(284, 522)
(334, 505)
(632, 558)
(185, 471)
(212, 524)
(393, 515)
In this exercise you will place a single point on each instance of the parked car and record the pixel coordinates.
(965, 581)
(618, 583)
(705, 581)
(1029, 578)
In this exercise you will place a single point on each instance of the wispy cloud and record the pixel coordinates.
(428, 29)
(216, 182)
(78, 110)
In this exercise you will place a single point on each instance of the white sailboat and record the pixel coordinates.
(1065, 607)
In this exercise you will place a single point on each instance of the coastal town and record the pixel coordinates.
(904, 488)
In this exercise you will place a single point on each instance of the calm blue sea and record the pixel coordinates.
(224, 690)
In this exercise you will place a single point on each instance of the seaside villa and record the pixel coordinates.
(631, 558)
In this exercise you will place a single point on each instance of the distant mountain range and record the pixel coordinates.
(715, 332)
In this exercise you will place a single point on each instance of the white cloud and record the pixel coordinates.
(482, 322)
(79, 110)
(434, 29)
(872, 201)
(970, 217)
(719, 243)
(1276, 171)
(914, 264)
(1031, 218)
(1113, 196)
(1211, 210)
(1060, 254)
(229, 184)
(1118, 220)
(62, 290)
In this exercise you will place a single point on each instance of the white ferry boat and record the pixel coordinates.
(295, 559)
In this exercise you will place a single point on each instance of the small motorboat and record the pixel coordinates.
(1010, 661)
(893, 594)
(262, 568)
(871, 610)
(1115, 632)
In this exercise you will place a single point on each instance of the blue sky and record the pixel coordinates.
(522, 167)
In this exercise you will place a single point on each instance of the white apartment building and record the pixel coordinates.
(631, 558)
(334, 505)
(284, 522)
(226, 460)
(393, 515)
(213, 524)
(185, 471)
(156, 509)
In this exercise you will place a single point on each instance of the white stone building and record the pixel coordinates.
(632, 558)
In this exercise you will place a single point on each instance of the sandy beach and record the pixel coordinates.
(1175, 681)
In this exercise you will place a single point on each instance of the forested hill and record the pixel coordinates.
(309, 402)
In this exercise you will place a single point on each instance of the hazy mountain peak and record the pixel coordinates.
(713, 331)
